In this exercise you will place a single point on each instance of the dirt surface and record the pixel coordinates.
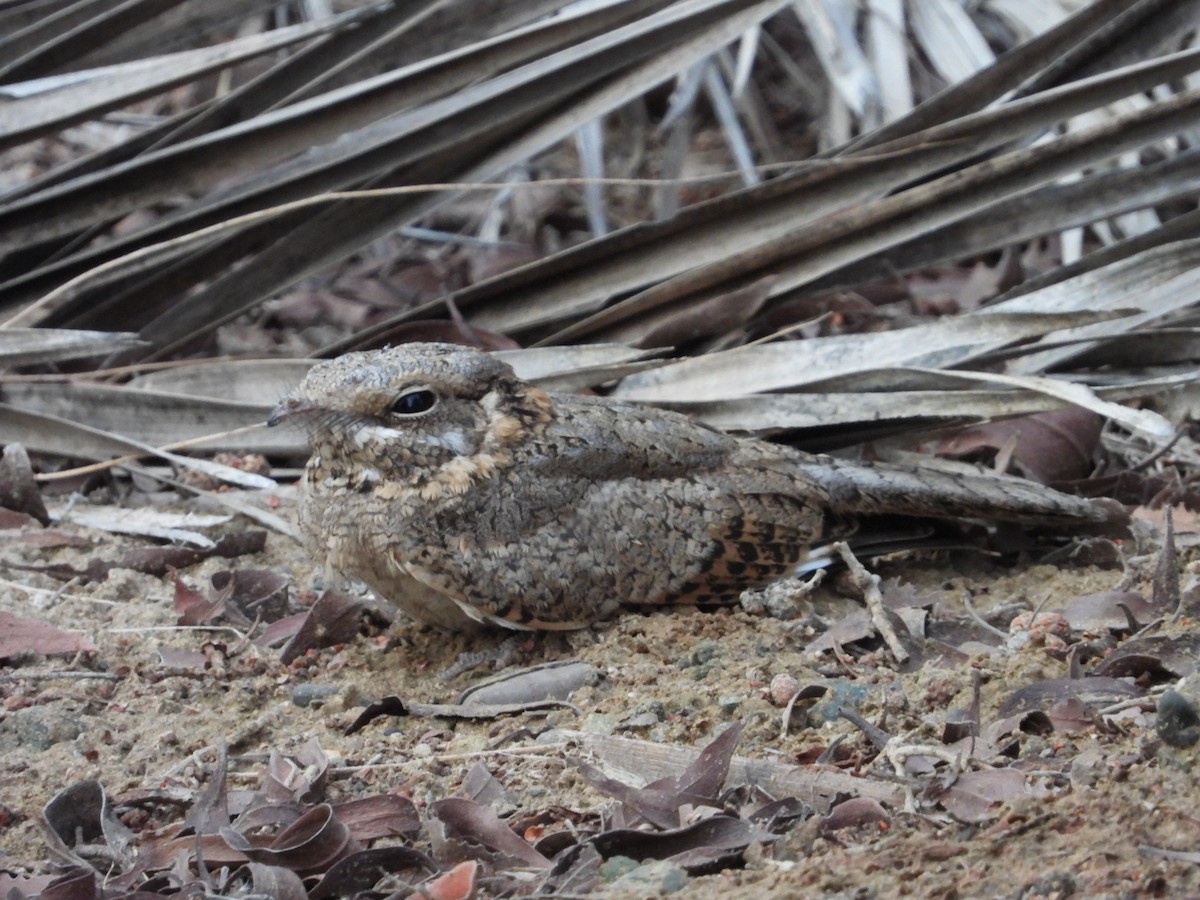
(1093, 798)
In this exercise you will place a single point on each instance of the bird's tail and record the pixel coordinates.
(862, 488)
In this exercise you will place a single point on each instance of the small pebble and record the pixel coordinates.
(37, 728)
(783, 688)
(1178, 722)
(730, 702)
(312, 694)
(652, 879)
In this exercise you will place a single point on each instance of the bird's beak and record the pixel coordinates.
(288, 408)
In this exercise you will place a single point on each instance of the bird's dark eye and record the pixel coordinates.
(414, 402)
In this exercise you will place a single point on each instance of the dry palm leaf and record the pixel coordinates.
(329, 147)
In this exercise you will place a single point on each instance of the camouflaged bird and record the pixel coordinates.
(465, 495)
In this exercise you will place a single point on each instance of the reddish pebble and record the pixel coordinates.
(783, 688)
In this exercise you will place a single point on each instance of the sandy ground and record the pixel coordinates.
(1095, 798)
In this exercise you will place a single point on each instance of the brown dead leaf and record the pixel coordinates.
(1070, 715)
(333, 619)
(687, 322)
(20, 636)
(18, 490)
(381, 815)
(854, 626)
(1095, 691)
(359, 872)
(306, 308)
(468, 823)
(276, 882)
(295, 778)
(157, 561)
(855, 812)
(1046, 447)
(498, 260)
(312, 843)
(1156, 657)
(283, 629)
(1105, 611)
(210, 813)
(974, 795)
(47, 539)
(1184, 519)
(79, 883)
(412, 282)
(21, 886)
(82, 813)
(694, 847)
(659, 802)
(193, 607)
(10, 520)
(457, 884)
(257, 594)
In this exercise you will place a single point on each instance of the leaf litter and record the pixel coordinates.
(1048, 707)
(330, 823)
(696, 829)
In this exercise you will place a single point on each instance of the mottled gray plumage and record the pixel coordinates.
(502, 504)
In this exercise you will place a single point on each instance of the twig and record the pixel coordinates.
(152, 628)
(980, 620)
(122, 461)
(897, 752)
(1160, 452)
(63, 676)
(56, 594)
(868, 583)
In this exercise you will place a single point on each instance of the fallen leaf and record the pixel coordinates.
(855, 812)
(312, 843)
(1102, 612)
(457, 884)
(193, 607)
(359, 872)
(1046, 447)
(148, 523)
(333, 619)
(1094, 691)
(696, 846)
(472, 823)
(20, 636)
(18, 490)
(973, 795)
(1159, 657)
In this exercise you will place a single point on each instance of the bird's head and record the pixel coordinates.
(412, 408)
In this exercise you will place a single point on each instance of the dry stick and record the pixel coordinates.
(980, 620)
(787, 714)
(1160, 452)
(54, 676)
(897, 753)
(134, 457)
(485, 710)
(56, 594)
(1147, 704)
(148, 629)
(868, 583)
